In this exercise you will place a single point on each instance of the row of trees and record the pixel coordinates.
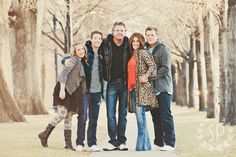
(61, 23)
(216, 41)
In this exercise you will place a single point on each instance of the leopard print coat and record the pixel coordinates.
(145, 66)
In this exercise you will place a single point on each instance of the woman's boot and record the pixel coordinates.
(67, 135)
(45, 134)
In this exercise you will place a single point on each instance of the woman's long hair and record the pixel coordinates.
(85, 58)
(140, 38)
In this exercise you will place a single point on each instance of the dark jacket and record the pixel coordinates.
(107, 57)
(162, 57)
(89, 65)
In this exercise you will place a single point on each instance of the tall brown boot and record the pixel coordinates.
(45, 134)
(67, 135)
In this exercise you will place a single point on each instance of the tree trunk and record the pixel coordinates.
(201, 93)
(230, 117)
(181, 98)
(173, 73)
(55, 50)
(40, 15)
(69, 31)
(9, 110)
(184, 77)
(191, 75)
(26, 56)
(222, 64)
(209, 69)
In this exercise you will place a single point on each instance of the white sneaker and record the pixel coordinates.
(158, 147)
(123, 147)
(167, 148)
(94, 148)
(110, 147)
(79, 148)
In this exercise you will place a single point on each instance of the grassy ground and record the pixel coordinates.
(196, 136)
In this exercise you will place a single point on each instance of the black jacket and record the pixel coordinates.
(89, 65)
(106, 50)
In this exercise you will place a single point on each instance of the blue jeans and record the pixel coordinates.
(143, 141)
(91, 106)
(163, 121)
(116, 130)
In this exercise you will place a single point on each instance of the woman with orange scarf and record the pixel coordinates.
(141, 66)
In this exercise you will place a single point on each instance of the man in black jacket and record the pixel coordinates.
(115, 57)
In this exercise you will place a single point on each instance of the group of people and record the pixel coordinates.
(130, 66)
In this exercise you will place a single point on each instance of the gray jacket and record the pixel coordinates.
(73, 76)
(162, 58)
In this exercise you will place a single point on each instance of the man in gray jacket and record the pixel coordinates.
(162, 116)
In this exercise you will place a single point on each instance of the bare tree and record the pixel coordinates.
(209, 69)
(222, 20)
(68, 29)
(9, 111)
(188, 56)
(188, 28)
(25, 53)
(181, 99)
(200, 77)
(229, 115)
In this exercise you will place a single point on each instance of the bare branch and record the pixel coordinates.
(60, 23)
(54, 33)
(179, 50)
(217, 16)
(77, 30)
(54, 40)
(183, 47)
(83, 17)
(64, 32)
(181, 20)
(179, 55)
(50, 12)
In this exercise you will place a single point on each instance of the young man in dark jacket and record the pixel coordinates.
(115, 58)
(93, 94)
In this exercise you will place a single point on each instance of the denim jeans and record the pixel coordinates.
(163, 121)
(116, 130)
(91, 104)
(143, 141)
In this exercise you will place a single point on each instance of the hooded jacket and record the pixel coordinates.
(162, 57)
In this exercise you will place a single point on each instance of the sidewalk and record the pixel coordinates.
(131, 134)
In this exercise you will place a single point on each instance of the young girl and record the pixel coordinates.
(67, 96)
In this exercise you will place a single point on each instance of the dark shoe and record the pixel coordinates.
(43, 136)
(67, 135)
